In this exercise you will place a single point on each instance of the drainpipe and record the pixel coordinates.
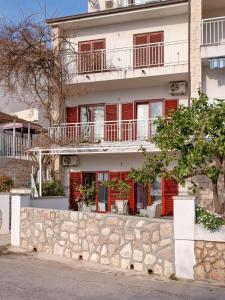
(189, 53)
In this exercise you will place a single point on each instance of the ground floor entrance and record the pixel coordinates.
(140, 196)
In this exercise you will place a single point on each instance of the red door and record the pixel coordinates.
(169, 190)
(75, 182)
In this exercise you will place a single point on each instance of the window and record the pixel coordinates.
(91, 57)
(102, 192)
(92, 119)
(149, 50)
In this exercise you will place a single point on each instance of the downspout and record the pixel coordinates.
(189, 53)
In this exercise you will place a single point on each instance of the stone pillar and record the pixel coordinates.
(18, 201)
(4, 211)
(195, 47)
(184, 229)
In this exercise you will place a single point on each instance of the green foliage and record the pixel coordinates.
(121, 187)
(6, 183)
(87, 193)
(208, 220)
(52, 188)
(193, 138)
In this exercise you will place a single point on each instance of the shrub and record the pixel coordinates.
(208, 220)
(6, 183)
(52, 188)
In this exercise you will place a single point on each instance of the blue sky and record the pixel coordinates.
(16, 9)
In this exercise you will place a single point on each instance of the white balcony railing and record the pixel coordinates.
(103, 132)
(127, 3)
(130, 58)
(13, 147)
(213, 31)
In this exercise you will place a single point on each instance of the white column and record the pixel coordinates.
(18, 201)
(4, 207)
(184, 229)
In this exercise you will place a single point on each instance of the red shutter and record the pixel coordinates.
(84, 58)
(113, 195)
(170, 107)
(99, 58)
(72, 117)
(75, 182)
(131, 198)
(157, 50)
(140, 50)
(169, 190)
(111, 127)
(71, 114)
(127, 128)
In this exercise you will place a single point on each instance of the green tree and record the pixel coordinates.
(191, 143)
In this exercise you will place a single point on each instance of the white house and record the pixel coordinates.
(136, 60)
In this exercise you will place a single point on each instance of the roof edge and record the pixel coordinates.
(53, 21)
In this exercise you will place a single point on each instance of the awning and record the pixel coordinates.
(217, 63)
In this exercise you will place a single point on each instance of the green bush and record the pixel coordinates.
(208, 220)
(6, 183)
(52, 188)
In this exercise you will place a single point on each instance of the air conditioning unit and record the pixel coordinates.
(70, 160)
(108, 4)
(178, 88)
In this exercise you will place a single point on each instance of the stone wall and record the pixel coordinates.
(210, 261)
(18, 169)
(121, 241)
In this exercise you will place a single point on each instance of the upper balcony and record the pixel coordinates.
(159, 59)
(98, 5)
(213, 37)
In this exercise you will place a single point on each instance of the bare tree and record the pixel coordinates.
(33, 60)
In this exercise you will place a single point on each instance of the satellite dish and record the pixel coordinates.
(93, 3)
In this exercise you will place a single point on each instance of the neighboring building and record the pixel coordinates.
(132, 65)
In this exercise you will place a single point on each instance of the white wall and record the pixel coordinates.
(213, 83)
(121, 35)
(123, 95)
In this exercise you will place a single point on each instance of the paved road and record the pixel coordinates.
(27, 277)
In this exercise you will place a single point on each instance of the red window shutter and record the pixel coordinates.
(170, 107)
(127, 128)
(140, 50)
(113, 195)
(131, 197)
(98, 45)
(84, 57)
(156, 51)
(169, 190)
(111, 127)
(71, 114)
(75, 182)
(99, 58)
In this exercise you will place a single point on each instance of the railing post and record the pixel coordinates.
(14, 139)
(40, 174)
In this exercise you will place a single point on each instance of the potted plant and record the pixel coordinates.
(87, 192)
(6, 184)
(122, 188)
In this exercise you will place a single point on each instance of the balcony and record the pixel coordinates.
(213, 37)
(131, 62)
(95, 136)
(128, 3)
